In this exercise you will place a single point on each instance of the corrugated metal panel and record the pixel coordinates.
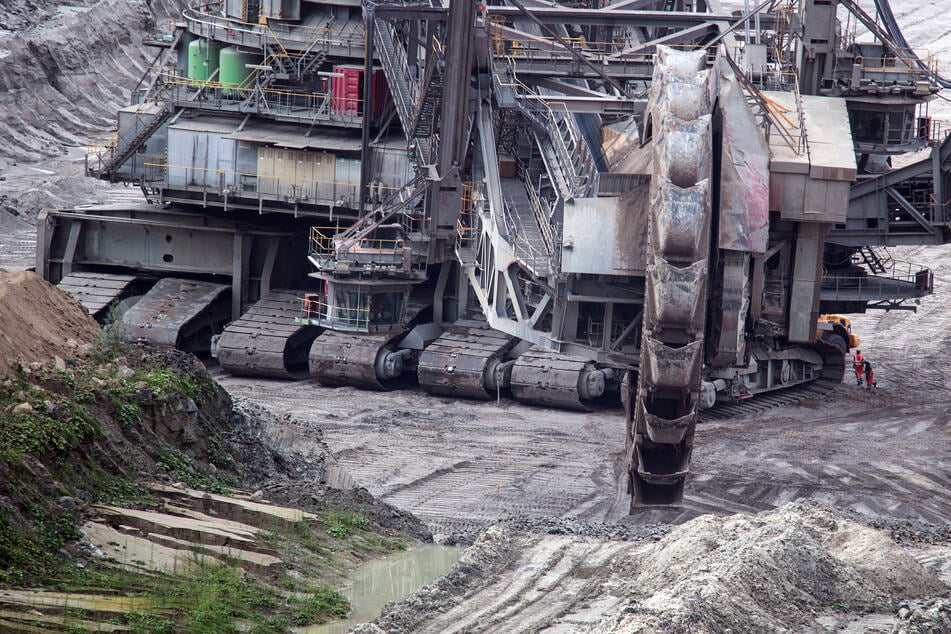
(281, 9)
(247, 167)
(227, 149)
(200, 159)
(179, 156)
(348, 181)
(299, 174)
(346, 89)
(267, 158)
(324, 174)
(391, 166)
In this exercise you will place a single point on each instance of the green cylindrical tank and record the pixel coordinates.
(232, 70)
(202, 59)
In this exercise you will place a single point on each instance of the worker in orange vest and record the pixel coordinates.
(869, 376)
(858, 362)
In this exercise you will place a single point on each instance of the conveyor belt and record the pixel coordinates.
(96, 291)
(463, 360)
(179, 313)
(552, 379)
(266, 341)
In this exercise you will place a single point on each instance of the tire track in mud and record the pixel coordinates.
(459, 466)
(462, 468)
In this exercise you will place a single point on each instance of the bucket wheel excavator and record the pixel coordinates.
(643, 204)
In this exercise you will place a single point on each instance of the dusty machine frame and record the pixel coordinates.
(642, 201)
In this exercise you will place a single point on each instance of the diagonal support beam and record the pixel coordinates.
(912, 211)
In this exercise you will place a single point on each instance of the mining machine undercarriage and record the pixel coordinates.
(569, 206)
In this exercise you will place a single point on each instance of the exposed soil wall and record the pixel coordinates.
(66, 67)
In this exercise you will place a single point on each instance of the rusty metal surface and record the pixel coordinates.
(543, 377)
(744, 176)
(340, 358)
(176, 312)
(676, 296)
(96, 291)
(456, 363)
(678, 230)
(661, 425)
(265, 341)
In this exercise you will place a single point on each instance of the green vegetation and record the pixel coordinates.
(37, 422)
(342, 524)
(184, 469)
(148, 623)
(64, 435)
(321, 604)
(218, 596)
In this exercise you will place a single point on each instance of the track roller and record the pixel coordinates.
(468, 360)
(369, 361)
(266, 341)
(543, 377)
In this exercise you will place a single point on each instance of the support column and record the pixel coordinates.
(239, 274)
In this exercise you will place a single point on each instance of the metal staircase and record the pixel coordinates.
(878, 262)
(403, 88)
(327, 252)
(529, 242)
(430, 102)
(124, 151)
(565, 147)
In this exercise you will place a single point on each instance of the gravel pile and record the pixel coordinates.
(803, 567)
(581, 528)
(767, 572)
(924, 617)
(66, 67)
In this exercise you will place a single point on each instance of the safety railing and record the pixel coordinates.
(537, 107)
(532, 257)
(791, 126)
(258, 187)
(538, 211)
(900, 280)
(292, 105)
(333, 251)
(201, 20)
(316, 310)
(467, 225)
(902, 62)
(403, 86)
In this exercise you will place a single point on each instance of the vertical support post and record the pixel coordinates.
(937, 188)
(806, 282)
(608, 326)
(365, 162)
(43, 246)
(440, 293)
(462, 292)
(238, 274)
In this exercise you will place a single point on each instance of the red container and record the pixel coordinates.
(381, 93)
(346, 87)
(347, 91)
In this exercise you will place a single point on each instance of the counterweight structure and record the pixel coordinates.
(639, 203)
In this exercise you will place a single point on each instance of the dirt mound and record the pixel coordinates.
(776, 570)
(39, 322)
(803, 567)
